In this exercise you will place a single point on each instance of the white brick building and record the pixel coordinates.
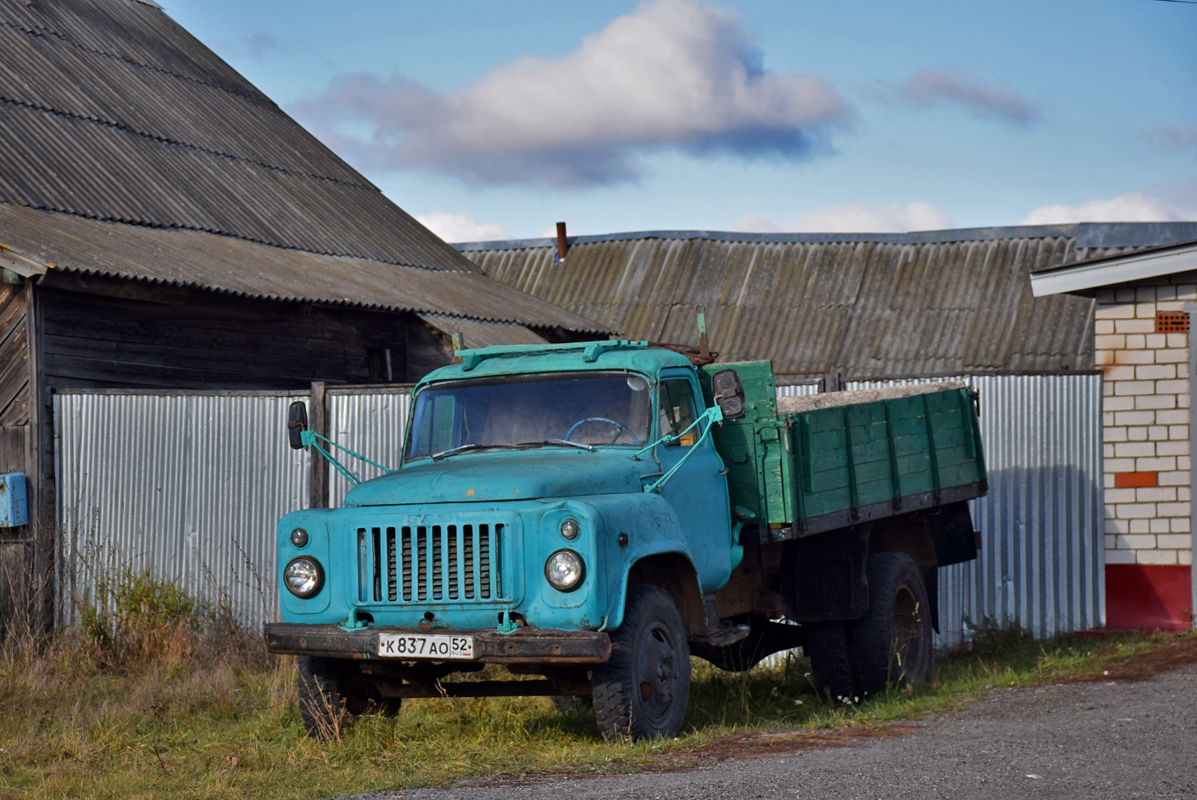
(1143, 304)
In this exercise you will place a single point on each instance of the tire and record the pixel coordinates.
(643, 691)
(361, 704)
(892, 641)
(831, 663)
(568, 703)
(321, 704)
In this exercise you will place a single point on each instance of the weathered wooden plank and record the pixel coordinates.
(14, 383)
(12, 311)
(208, 311)
(910, 445)
(90, 340)
(65, 370)
(336, 360)
(77, 331)
(875, 491)
(13, 439)
(16, 412)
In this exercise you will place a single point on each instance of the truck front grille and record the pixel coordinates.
(431, 563)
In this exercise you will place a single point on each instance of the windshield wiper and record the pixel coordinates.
(554, 442)
(459, 449)
(463, 448)
(568, 443)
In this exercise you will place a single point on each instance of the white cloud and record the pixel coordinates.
(982, 99)
(755, 223)
(675, 74)
(461, 227)
(855, 218)
(1124, 208)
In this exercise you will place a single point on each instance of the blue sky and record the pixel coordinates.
(494, 120)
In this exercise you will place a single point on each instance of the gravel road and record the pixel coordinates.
(1105, 739)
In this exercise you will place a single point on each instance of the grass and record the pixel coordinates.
(181, 704)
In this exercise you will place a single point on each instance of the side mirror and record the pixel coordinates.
(729, 394)
(297, 423)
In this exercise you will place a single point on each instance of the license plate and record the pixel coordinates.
(423, 645)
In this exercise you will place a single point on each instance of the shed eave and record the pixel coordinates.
(1084, 277)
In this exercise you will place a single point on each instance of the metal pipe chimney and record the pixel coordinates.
(562, 245)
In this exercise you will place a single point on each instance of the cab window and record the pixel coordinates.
(677, 412)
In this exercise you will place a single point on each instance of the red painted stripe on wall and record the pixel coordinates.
(1141, 596)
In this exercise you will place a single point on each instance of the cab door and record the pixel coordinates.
(698, 490)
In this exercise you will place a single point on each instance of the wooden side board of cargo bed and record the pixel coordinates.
(829, 461)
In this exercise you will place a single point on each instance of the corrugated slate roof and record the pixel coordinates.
(191, 258)
(862, 306)
(476, 334)
(110, 111)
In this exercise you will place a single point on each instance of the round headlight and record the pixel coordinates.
(299, 537)
(570, 529)
(303, 576)
(564, 570)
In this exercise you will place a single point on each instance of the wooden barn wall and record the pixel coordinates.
(16, 552)
(151, 337)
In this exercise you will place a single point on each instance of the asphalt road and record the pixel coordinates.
(1106, 739)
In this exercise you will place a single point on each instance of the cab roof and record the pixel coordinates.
(598, 356)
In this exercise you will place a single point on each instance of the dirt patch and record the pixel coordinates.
(1175, 654)
(742, 747)
(759, 745)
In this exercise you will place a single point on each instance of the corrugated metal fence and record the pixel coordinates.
(194, 485)
(1042, 562)
(370, 422)
(190, 486)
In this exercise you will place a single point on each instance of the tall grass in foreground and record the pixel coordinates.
(158, 695)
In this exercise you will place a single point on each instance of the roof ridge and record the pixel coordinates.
(1088, 235)
(124, 127)
(259, 98)
(945, 236)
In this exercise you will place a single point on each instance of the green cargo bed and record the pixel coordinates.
(804, 465)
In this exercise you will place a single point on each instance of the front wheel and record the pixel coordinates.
(321, 703)
(643, 691)
(329, 692)
(892, 642)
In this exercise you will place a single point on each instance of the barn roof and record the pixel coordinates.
(861, 306)
(126, 133)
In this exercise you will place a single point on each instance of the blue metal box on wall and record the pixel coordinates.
(14, 510)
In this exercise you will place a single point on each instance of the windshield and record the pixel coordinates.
(590, 408)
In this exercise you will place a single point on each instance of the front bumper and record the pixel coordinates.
(525, 646)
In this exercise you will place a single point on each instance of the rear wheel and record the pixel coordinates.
(892, 642)
(828, 647)
(643, 691)
(568, 703)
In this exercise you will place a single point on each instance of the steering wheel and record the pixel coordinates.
(570, 433)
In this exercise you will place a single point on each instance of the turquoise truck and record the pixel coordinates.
(592, 515)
